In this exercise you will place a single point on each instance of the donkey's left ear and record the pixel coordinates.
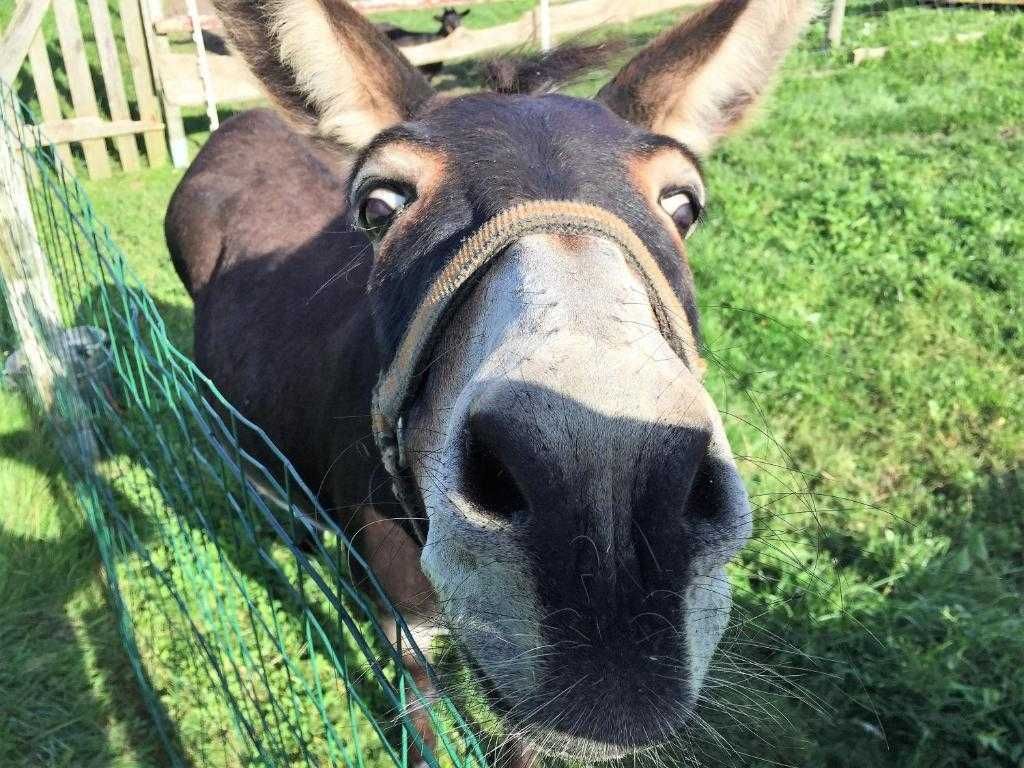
(698, 81)
(325, 66)
(465, 13)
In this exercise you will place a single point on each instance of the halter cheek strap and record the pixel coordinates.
(396, 385)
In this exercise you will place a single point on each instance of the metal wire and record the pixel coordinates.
(248, 650)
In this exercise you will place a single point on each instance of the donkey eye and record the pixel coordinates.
(380, 207)
(683, 208)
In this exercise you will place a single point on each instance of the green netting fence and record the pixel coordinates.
(277, 658)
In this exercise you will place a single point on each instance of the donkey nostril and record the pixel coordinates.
(487, 482)
(707, 499)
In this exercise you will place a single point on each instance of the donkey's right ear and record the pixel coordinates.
(698, 81)
(325, 66)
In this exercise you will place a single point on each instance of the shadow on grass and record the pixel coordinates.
(54, 716)
(161, 484)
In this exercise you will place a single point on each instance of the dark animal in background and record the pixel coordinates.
(450, 20)
(555, 491)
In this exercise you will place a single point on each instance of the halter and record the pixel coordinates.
(397, 383)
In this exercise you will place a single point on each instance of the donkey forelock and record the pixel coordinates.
(579, 496)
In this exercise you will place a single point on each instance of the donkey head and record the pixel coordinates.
(451, 19)
(581, 494)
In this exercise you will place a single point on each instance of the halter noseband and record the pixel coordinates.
(396, 385)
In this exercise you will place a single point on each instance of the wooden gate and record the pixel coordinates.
(73, 114)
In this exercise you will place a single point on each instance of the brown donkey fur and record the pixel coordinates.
(575, 498)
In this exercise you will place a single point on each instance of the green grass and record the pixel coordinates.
(138, 230)
(67, 694)
(860, 277)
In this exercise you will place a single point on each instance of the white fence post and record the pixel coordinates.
(544, 11)
(204, 66)
(835, 23)
(28, 288)
(23, 267)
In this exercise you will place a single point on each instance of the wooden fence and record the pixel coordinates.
(181, 81)
(84, 124)
(230, 81)
(166, 78)
(568, 19)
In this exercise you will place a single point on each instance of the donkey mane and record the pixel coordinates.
(544, 72)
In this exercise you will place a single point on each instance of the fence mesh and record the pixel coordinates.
(250, 650)
(278, 659)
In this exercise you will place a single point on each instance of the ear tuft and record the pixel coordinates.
(698, 81)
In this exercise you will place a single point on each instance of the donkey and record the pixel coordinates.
(450, 20)
(470, 322)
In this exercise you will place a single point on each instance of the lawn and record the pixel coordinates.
(861, 281)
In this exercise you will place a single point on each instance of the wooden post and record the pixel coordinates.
(46, 92)
(142, 76)
(544, 9)
(31, 300)
(17, 38)
(23, 267)
(159, 47)
(835, 23)
(176, 136)
(113, 82)
(83, 97)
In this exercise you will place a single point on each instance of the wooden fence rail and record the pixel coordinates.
(167, 79)
(181, 85)
(567, 19)
(82, 122)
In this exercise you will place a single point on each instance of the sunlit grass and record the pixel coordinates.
(860, 278)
